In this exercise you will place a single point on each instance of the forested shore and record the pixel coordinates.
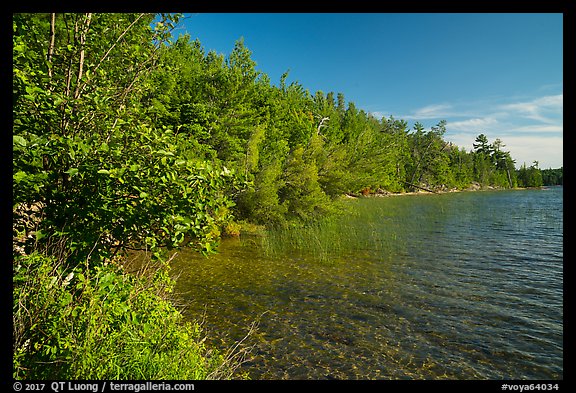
(127, 138)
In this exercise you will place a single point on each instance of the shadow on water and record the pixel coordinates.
(458, 286)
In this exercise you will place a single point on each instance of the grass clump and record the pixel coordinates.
(71, 323)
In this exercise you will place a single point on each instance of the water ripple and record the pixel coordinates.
(461, 286)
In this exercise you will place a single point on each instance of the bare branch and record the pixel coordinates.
(82, 52)
(322, 124)
(51, 47)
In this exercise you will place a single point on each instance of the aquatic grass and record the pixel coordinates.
(321, 240)
(363, 227)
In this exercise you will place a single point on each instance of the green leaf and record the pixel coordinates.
(165, 153)
(19, 176)
(18, 140)
(32, 89)
(104, 172)
(66, 299)
(208, 247)
(40, 235)
(143, 194)
(72, 171)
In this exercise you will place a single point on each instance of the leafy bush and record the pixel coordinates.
(107, 179)
(70, 324)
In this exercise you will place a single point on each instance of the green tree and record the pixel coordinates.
(462, 165)
(262, 203)
(530, 176)
(104, 178)
(483, 167)
(552, 177)
(482, 146)
(504, 164)
(430, 162)
(302, 192)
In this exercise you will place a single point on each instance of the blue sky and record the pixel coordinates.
(497, 74)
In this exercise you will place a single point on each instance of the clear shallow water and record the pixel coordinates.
(459, 286)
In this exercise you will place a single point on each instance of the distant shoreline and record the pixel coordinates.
(472, 188)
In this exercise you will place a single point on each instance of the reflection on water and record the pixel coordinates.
(459, 286)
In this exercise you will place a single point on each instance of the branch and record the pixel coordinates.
(322, 124)
(81, 65)
(110, 49)
(51, 46)
(422, 188)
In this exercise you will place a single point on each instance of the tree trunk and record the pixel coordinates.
(422, 188)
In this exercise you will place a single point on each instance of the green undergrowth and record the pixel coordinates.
(104, 324)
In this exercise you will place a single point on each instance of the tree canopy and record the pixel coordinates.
(127, 139)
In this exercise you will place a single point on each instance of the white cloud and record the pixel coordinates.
(462, 140)
(546, 109)
(538, 128)
(434, 111)
(472, 124)
(538, 109)
(547, 150)
(555, 101)
(531, 129)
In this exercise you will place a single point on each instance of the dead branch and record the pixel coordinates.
(322, 124)
(82, 53)
(51, 46)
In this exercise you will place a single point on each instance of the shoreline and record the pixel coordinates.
(473, 188)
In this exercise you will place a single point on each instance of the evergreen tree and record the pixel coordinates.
(531, 176)
(302, 192)
(552, 177)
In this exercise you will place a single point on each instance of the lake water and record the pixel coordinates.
(454, 286)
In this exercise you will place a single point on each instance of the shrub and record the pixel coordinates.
(232, 229)
(103, 324)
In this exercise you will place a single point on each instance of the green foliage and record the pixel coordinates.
(262, 203)
(302, 192)
(101, 178)
(552, 177)
(127, 141)
(482, 146)
(299, 151)
(492, 165)
(70, 324)
(530, 176)
(83, 147)
(465, 167)
(429, 161)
